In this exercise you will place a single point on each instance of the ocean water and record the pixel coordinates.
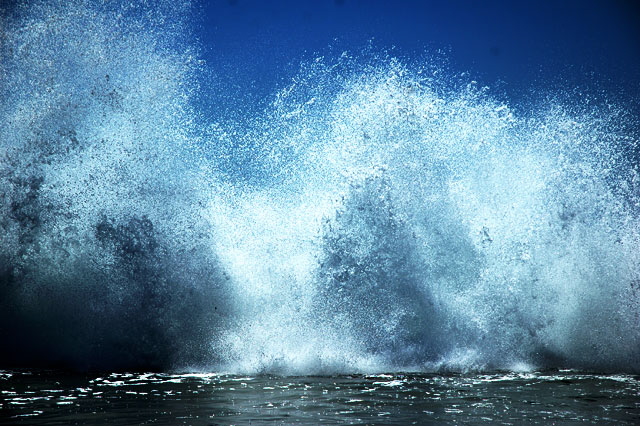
(377, 214)
(552, 397)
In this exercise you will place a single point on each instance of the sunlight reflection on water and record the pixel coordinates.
(36, 397)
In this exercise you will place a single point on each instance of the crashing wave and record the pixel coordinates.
(377, 216)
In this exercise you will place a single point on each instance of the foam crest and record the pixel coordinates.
(450, 233)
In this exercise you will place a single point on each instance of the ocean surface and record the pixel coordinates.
(506, 398)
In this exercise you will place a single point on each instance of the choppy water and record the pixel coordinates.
(559, 397)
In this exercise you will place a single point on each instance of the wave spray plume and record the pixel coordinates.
(377, 216)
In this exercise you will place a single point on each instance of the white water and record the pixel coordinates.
(377, 216)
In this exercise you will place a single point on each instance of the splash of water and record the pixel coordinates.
(105, 256)
(377, 216)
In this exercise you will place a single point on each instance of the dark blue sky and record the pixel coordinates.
(254, 47)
